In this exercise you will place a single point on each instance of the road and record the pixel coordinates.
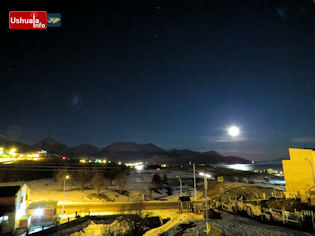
(118, 207)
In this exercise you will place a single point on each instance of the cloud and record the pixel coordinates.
(241, 152)
(281, 12)
(225, 139)
(303, 140)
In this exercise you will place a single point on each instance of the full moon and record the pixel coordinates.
(234, 131)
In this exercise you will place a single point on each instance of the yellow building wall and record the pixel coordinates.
(298, 171)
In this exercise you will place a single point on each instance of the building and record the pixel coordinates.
(14, 201)
(42, 212)
(299, 172)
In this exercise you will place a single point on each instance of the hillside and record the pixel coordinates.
(126, 151)
(8, 143)
(132, 147)
(52, 146)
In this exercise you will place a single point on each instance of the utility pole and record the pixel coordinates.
(180, 186)
(206, 203)
(312, 169)
(195, 190)
(64, 193)
(205, 176)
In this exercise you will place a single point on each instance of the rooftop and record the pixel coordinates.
(43, 204)
(6, 209)
(9, 191)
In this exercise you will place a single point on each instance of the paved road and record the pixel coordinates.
(81, 207)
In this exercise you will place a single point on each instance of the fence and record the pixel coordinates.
(304, 218)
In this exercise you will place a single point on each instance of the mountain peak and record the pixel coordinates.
(132, 147)
(48, 140)
(212, 153)
(52, 146)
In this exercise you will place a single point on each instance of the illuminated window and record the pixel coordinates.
(5, 218)
(38, 212)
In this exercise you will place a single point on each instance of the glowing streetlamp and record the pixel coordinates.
(205, 176)
(234, 131)
(64, 193)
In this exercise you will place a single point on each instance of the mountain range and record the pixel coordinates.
(125, 151)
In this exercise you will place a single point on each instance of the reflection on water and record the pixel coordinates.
(275, 165)
(277, 181)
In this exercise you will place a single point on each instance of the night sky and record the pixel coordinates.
(172, 73)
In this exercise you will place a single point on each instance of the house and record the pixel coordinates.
(43, 212)
(14, 201)
(299, 173)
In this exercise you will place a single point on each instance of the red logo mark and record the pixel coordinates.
(28, 19)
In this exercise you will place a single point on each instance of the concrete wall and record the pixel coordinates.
(21, 203)
(5, 201)
(9, 225)
(48, 215)
(298, 171)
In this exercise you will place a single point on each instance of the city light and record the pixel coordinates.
(67, 177)
(203, 174)
(139, 167)
(13, 150)
(38, 212)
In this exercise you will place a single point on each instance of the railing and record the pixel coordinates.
(304, 218)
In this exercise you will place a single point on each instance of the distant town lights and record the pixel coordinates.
(139, 167)
(203, 174)
(234, 131)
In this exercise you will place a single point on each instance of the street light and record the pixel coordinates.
(312, 170)
(195, 190)
(64, 193)
(205, 176)
(180, 186)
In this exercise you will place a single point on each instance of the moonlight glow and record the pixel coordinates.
(234, 131)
